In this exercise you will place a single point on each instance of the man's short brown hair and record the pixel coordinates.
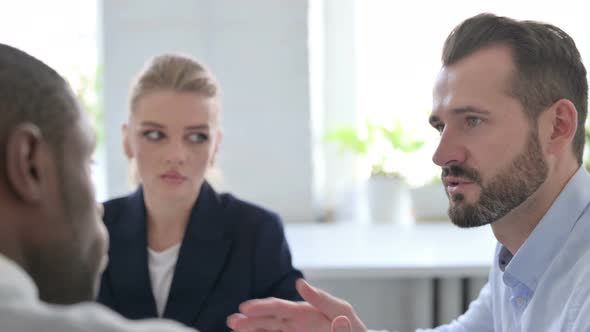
(548, 64)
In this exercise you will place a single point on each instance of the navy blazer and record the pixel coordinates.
(232, 251)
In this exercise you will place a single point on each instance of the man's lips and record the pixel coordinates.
(454, 184)
(454, 180)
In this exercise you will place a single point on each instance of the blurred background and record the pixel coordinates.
(319, 96)
(325, 113)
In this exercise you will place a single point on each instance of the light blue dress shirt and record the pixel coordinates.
(546, 285)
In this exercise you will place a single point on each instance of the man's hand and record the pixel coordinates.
(320, 313)
(341, 324)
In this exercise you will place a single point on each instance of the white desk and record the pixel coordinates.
(396, 276)
(432, 250)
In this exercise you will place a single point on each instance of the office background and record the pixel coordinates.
(290, 71)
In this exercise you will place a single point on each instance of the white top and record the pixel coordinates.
(423, 250)
(161, 265)
(22, 311)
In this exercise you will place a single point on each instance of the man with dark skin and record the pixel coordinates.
(53, 243)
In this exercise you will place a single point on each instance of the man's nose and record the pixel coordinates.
(450, 149)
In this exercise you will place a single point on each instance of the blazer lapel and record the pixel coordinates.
(201, 259)
(128, 258)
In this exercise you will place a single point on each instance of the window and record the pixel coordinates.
(398, 49)
(376, 61)
(64, 35)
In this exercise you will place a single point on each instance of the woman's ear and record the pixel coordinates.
(126, 143)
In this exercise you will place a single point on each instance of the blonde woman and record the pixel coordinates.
(178, 249)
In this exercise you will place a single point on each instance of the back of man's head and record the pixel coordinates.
(548, 64)
(50, 225)
(32, 92)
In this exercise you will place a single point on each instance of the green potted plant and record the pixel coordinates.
(382, 148)
(378, 144)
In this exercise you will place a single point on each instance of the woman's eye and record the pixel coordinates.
(153, 135)
(197, 137)
(473, 121)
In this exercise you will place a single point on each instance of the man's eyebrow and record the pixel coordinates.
(470, 109)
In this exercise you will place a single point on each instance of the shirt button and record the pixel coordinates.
(520, 301)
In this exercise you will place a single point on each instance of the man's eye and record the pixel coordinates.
(197, 137)
(473, 121)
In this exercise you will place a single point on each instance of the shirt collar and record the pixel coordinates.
(537, 252)
(15, 282)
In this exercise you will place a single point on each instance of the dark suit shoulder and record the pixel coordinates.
(113, 208)
(245, 213)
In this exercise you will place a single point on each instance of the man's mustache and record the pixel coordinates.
(461, 172)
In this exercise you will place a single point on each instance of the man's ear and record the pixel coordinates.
(126, 145)
(25, 161)
(562, 124)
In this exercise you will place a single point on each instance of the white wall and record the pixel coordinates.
(333, 61)
(258, 51)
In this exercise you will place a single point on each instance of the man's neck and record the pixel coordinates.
(11, 242)
(514, 228)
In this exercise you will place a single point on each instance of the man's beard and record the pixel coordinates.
(507, 190)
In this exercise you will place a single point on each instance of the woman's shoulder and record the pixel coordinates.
(119, 202)
(113, 208)
(250, 220)
(115, 203)
(235, 206)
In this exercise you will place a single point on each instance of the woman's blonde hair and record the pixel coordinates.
(175, 72)
(178, 73)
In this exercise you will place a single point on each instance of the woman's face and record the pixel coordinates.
(173, 137)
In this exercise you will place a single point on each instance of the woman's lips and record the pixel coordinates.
(173, 178)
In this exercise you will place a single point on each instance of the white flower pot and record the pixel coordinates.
(388, 200)
(430, 203)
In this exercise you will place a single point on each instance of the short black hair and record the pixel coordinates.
(32, 92)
